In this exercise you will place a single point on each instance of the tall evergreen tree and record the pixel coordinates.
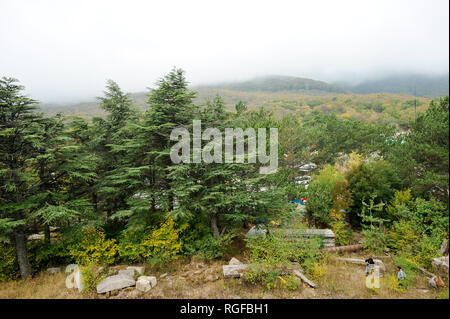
(19, 143)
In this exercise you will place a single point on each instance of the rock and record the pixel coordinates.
(234, 261)
(256, 232)
(444, 248)
(212, 277)
(53, 270)
(36, 237)
(145, 283)
(138, 269)
(163, 275)
(233, 271)
(440, 265)
(115, 282)
(303, 277)
(291, 234)
(432, 283)
(127, 272)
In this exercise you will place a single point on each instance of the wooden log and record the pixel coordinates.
(303, 277)
(348, 248)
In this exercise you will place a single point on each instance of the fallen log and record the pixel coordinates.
(362, 262)
(300, 275)
(348, 248)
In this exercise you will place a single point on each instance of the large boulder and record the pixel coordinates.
(440, 265)
(115, 282)
(256, 232)
(233, 271)
(234, 261)
(53, 270)
(126, 272)
(145, 283)
(138, 269)
(444, 248)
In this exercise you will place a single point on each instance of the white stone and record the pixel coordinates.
(53, 270)
(115, 282)
(126, 272)
(255, 232)
(145, 283)
(440, 265)
(233, 271)
(234, 261)
(138, 269)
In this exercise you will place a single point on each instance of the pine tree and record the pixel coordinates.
(19, 143)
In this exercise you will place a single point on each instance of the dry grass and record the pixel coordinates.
(201, 279)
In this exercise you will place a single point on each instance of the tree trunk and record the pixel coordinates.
(214, 227)
(22, 256)
(47, 233)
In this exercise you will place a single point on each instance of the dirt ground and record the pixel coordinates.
(201, 279)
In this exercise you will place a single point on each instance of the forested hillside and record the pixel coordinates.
(412, 84)
(103, 191)
(271, 95)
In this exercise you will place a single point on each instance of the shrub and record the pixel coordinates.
(402, 236)
(209, 247)
(317, 270)
(393, 284)
(342, 233)
(269, 255)
(94, 248)
(43, 254)
(92, 276)
(425, 250)
(163, 243)
(9, 268)
(327, 195)
(130, 248)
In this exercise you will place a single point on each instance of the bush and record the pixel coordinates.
(209, 247)
(94, 248)
(327, 195)
(163, 243)
(269, 255)
(342, 233)
(92, 276)
(153, 244)
(129, 247)
(9, 268)
(43, 255)
(402, 236)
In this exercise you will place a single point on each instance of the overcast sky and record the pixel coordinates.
(66, 50)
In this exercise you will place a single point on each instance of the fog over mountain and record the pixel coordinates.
(65, 50)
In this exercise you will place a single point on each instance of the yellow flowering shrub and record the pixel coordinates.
(9, 269)
(164, 242)
(94, 248)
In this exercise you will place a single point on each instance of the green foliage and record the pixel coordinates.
(327, 196)
(92, 276)
(208, 247)
(93, 248)
(269, 255)
(375, 238)
(342, 233)
(375, 179)
(159, 244)
(49, 254)
(163, 243)
(9, 268)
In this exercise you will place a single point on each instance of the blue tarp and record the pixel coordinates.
(297, 201)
